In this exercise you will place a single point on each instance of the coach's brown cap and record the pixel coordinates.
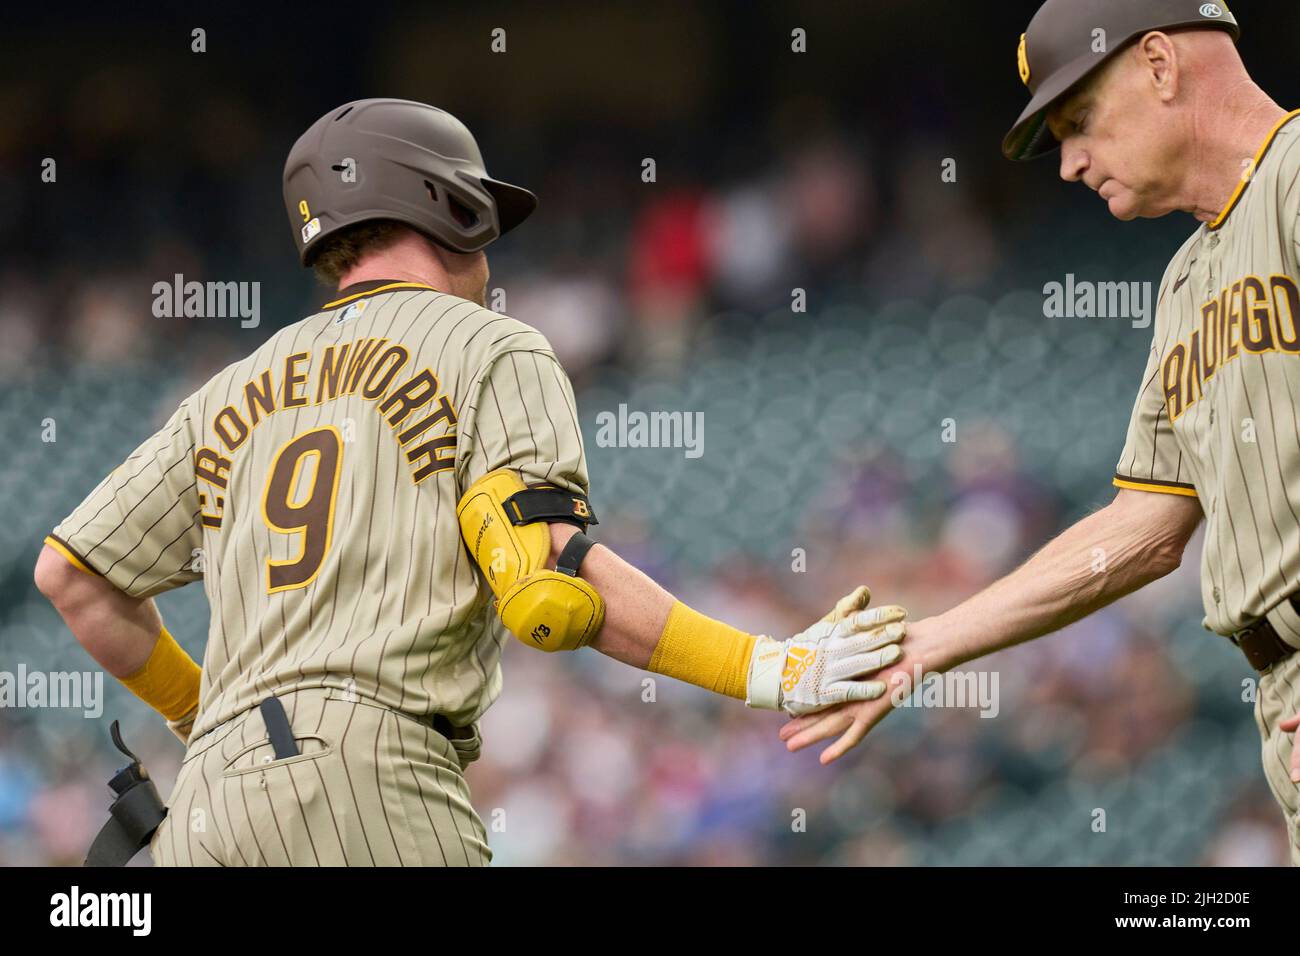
(1068, 39)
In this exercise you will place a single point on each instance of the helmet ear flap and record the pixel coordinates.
(465, 217)
(462, 213)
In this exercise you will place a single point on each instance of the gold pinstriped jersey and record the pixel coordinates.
(1217, 414)
(312, 487)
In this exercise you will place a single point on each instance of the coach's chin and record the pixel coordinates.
(1122, 202)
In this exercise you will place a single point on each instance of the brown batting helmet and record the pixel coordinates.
(1068, 39)
(401, 161)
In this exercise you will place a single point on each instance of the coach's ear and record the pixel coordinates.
(1158, 58)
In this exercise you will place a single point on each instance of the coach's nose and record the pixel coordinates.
(1074, 161)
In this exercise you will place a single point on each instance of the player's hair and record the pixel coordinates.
(343, 250)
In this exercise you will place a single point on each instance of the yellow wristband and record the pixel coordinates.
(704, 652)
(169, 680)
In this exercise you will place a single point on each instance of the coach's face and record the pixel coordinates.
(1116, 132)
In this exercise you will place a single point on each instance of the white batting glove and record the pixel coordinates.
(821, 666)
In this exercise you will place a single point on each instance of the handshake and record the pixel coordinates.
(818, 675)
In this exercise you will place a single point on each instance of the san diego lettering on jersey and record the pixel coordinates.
(369, 367)
(1253, 315)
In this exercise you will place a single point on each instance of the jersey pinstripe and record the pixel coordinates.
(1216, 415)
(313, 486)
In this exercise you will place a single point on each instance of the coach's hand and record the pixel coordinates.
(822, 666)
(1291, 725)
(853, 721)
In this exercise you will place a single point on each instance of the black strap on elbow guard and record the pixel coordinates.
(550, 504)
(574, 553)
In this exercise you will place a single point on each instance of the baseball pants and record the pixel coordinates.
(1278, 699)
(369, 787)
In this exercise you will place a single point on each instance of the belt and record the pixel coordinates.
(1261, 643)
(281, 734)
(450, 730)
(438, 722)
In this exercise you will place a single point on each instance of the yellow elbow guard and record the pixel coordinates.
(504, 524)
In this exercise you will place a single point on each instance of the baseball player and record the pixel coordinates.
(374, 499)
(1165, 118)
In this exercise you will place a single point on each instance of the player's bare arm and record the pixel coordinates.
(116, 629)
(1142, 536)
(636, 606)
(124, 634)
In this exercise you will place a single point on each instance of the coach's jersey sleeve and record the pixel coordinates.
(1152, 460)
(523, 416)
(1288, 193)
(140, 527)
